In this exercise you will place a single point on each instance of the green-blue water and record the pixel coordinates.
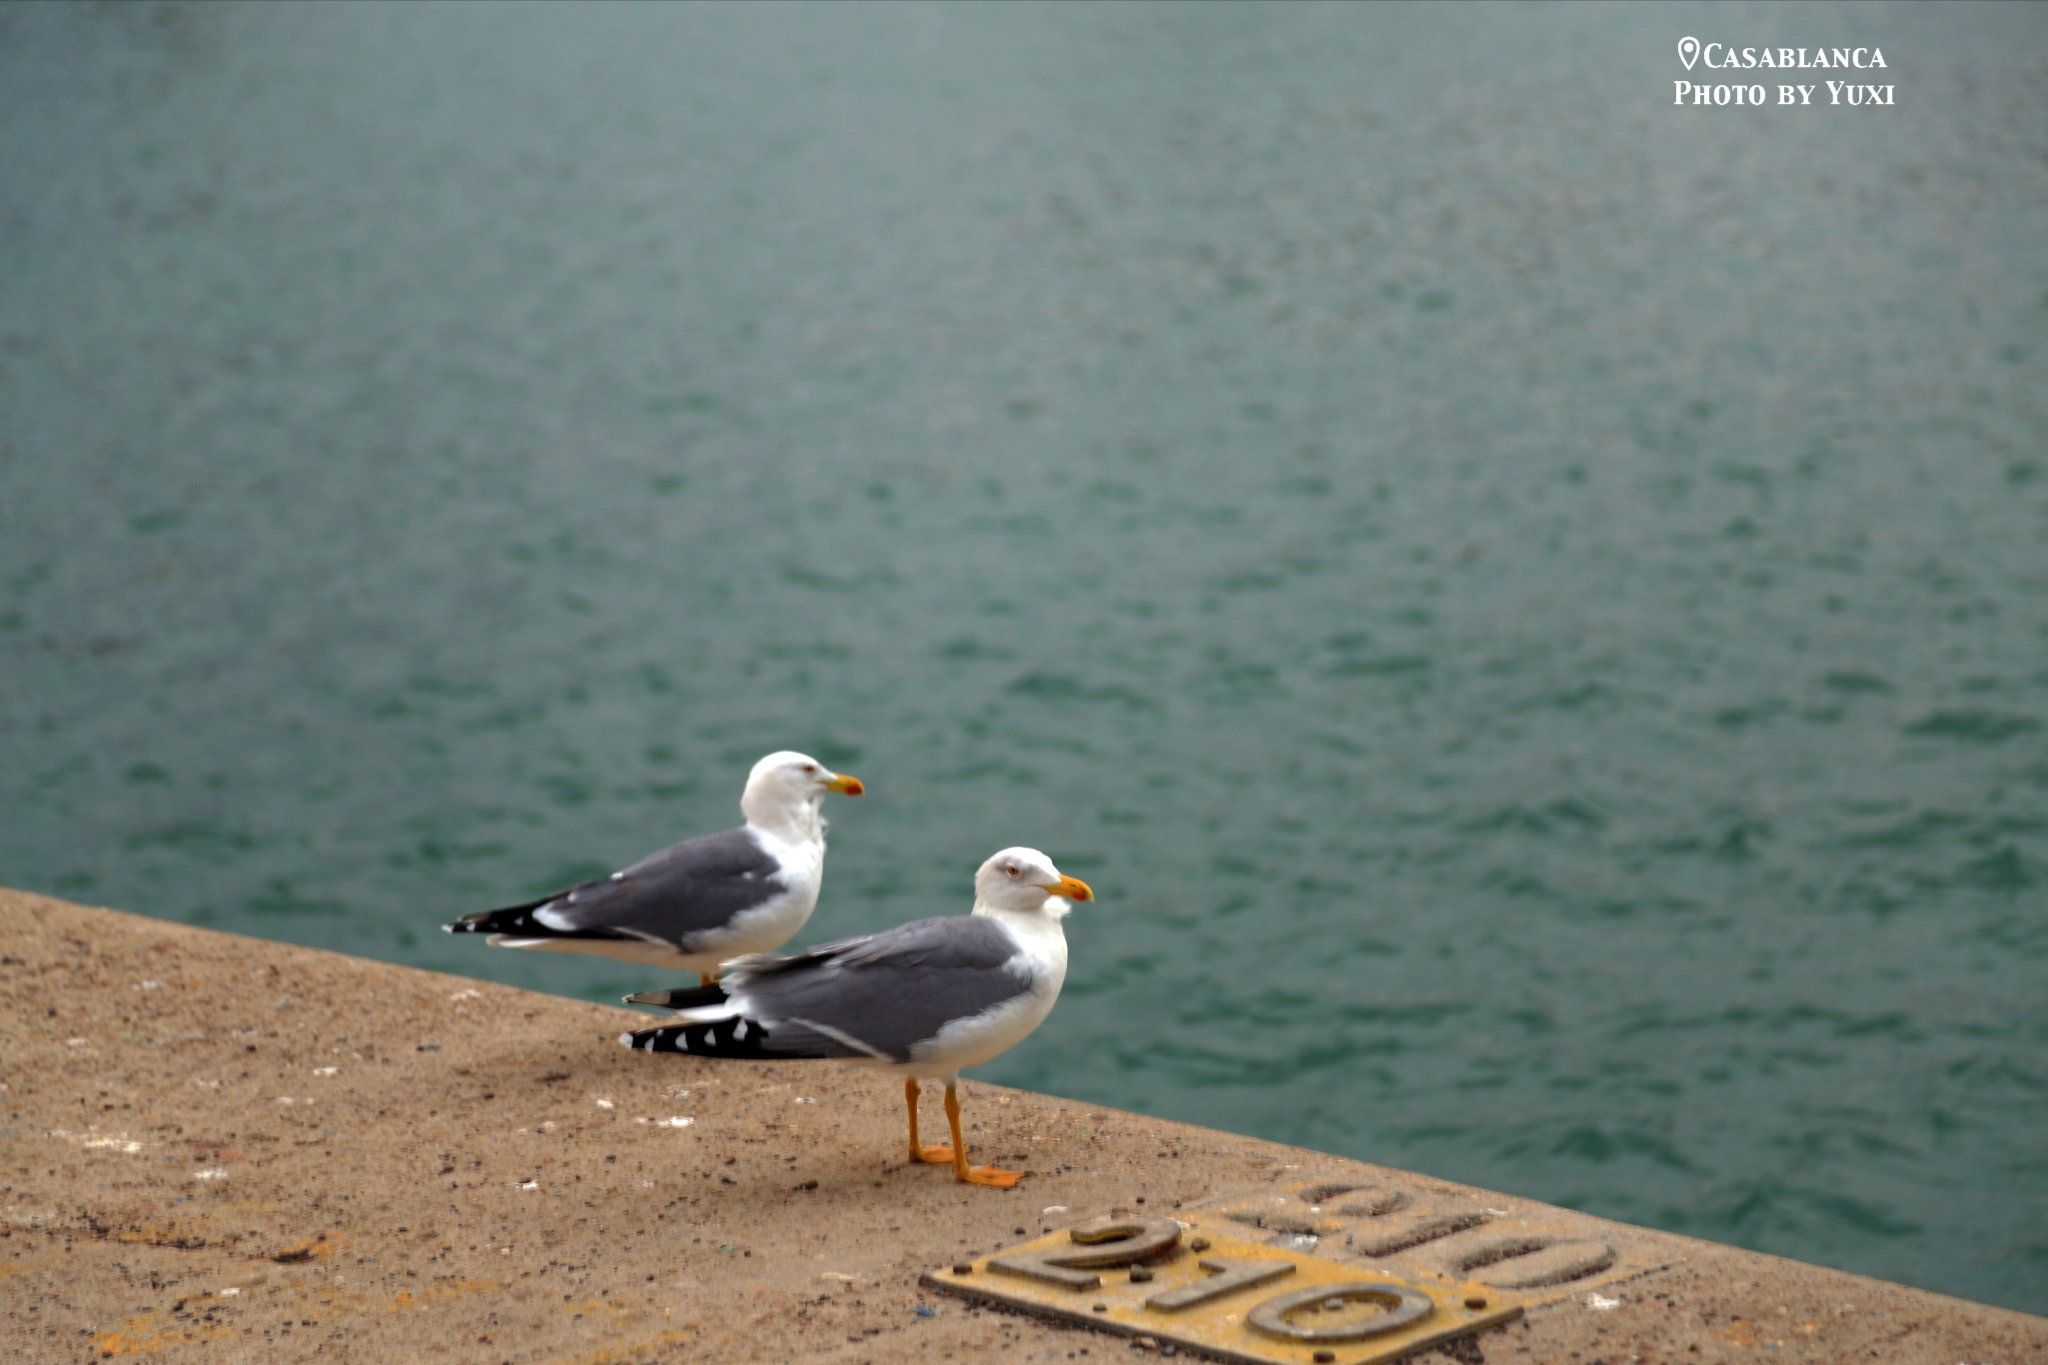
(1528, 603)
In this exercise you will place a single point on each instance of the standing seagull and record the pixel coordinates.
(697, 903)
(927, 998)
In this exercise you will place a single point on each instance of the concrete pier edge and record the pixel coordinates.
(220, 1148)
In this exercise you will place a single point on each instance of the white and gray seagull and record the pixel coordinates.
(928, 998)
(695, 904)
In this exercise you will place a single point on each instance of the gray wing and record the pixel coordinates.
(675, 895)
(884, 992)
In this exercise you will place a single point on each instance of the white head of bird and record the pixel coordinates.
(785, 790)
(1023, 881)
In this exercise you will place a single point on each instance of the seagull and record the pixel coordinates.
(696, 904)
(928, 998)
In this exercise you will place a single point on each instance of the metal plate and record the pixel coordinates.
(1202, 1288)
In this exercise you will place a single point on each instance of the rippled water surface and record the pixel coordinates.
(1530, 605)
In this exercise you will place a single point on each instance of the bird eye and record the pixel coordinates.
(810, 767)
(1011, 869)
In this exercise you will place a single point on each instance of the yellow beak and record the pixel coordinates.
(849, 786)
(1073, 888)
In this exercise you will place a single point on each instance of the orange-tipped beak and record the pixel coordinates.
(849, 786)
(1073, 888)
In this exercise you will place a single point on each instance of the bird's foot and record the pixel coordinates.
(935, 1156)
(994, 1176)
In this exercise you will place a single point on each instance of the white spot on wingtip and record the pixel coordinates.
(626, 1039)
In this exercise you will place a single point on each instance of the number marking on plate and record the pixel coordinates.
(1200, 1287)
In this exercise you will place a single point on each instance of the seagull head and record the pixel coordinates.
(787, 782)
(1024, 881)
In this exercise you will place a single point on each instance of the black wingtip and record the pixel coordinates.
(517, 921)
(734, 1038)
(671, 1039)
(665, 999)
(681, 997)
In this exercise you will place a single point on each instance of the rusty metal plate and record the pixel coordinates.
(1417, 1230)
(1202, 1285)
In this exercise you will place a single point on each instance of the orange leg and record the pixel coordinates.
(937, 1156)
(972, 1175)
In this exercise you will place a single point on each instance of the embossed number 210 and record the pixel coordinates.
(1107, 1242)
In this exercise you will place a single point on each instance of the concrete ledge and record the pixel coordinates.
(223, 1149)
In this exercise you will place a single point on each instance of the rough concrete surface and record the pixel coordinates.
(223, 1149)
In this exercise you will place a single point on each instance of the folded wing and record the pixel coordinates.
(677, 896)
(874, 997)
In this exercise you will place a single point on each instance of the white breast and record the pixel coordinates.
(775, 922)
(1041, 961)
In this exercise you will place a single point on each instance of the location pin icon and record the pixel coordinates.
(1688, 51)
